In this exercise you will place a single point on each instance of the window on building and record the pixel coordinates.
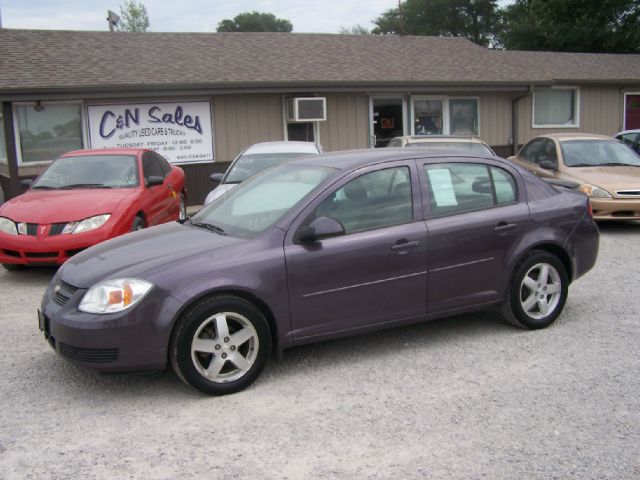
(48, 130)
(3, 143)
(445, 116)
(301, 132)
(555, 107)
(463, 113)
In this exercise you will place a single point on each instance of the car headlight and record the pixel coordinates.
(8, 226)
(114, 295)
(594, 191)
(87, 224)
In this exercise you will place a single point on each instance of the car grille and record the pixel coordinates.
(628, 193)
(88, 355)
(56, 228)
(62, 292)
(32, 229)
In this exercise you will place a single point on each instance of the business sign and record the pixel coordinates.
(181, 132)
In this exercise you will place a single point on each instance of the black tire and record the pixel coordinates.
(138, 224)
(526, 286)
(12, 267)
(243, 319)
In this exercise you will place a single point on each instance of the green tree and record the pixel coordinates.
(133, 17)
(476, 20)
(354, 30)
(255, 22)
(572, 25)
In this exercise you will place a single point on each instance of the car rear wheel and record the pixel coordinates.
(183, 208)
(538, 291)
(220, 345)
(138, 224)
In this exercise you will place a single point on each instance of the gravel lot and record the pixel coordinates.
(467, 397)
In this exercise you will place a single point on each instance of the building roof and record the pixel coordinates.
(51, 60)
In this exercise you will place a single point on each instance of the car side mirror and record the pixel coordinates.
(154, 180)
(547, 165)
(216, 177)
(320, 228)
(26, 183)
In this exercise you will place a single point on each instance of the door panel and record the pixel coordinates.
(376, 271)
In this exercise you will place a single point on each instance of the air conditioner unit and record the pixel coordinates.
(306, 109)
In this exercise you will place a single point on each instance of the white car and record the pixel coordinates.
(630, 138)
(467, 144)
(255, 159)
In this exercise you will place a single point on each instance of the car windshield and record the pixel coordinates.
(594, 153)
(248, 165)
(478, 148)
(260, 202)
(90, 171)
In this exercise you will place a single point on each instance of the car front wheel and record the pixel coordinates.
(538, 291)
(220, 345)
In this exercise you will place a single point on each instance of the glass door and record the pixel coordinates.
(387, 119)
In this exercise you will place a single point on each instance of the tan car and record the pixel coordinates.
(605, 169)
(436, 142)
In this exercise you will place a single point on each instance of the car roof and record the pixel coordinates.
(562, 137)
(106, 151)
(282, 147)
(349, 159)
(442, 139)
(633, 130)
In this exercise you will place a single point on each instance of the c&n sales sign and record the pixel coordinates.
(179, 131)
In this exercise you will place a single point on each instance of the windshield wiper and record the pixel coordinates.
(581, 165)
(85, 185)
(208, 226)
(616, 164)
(43, 187)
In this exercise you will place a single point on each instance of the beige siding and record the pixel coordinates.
(600, 112)
(347, 124)
(242, 120)
(495, 117)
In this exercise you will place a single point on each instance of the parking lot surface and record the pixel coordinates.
(467, 397)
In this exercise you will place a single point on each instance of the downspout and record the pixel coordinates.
(514, 118)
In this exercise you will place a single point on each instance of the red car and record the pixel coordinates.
(86, 197)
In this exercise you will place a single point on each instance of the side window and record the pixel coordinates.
(164, 165)
(540, 150)
(465, 187)
(531, 150)
(151, 166)
(373, 200)
(628, 138)
(504, 186)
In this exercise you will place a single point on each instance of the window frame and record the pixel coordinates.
(16, 127)
(576, 108)
(446, 113)
(624, 109)
(426, 186)
(4, 155)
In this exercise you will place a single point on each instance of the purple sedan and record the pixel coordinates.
(319, 248)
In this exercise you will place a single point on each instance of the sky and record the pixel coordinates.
(322, 16)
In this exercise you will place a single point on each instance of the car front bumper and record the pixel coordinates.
(47, 250)
(615, 208)
(134, 340)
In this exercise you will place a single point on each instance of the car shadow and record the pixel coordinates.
(458, 329)
(625, 227)
(30, 275)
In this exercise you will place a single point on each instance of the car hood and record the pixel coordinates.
(609, 178)
(60, 206)
(138, 253)
(218, 192)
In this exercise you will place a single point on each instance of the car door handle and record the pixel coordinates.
(505, 227)
(404, 245)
